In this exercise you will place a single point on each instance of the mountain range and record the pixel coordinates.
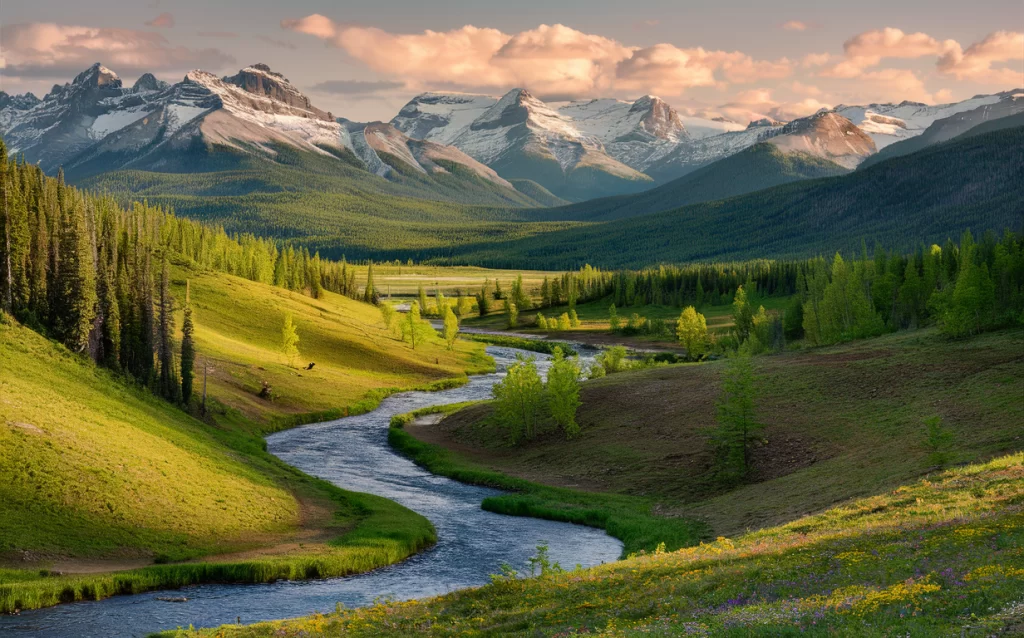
(512, 150)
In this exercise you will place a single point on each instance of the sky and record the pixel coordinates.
(739, 59)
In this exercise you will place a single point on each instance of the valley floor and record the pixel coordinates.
(837, 534)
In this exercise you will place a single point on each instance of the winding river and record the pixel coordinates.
(353, 453)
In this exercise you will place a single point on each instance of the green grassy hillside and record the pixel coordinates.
(840, 422)
(756, 168)
(238, 333)
(941, 556)
(120, 491)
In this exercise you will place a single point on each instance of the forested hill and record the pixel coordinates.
(756, 168)
(926, 196)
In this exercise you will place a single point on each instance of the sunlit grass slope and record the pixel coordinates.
(941, 556)
(98, 476)
(357, 360)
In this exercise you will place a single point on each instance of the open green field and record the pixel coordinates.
(238, 334)
(106, 489)
(840, 422)
(404, 280)
(595, 326)
(939, 556)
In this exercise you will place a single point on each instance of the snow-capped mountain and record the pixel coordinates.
(650, 137)
(521, 137)
(890, 123)
(1005, 105)
(377, 142)
(94, 124)
(577, 150)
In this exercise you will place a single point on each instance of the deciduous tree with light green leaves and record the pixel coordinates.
(563, 390)
(451, 327)
(289, 340)
(692, 331)
(519, 399)
(511, 314)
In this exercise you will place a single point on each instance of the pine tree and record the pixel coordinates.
(737, 429)
(169, 386)
(369, 293)
(76, 285)
(742, 315)
(422, 295)
(613, 319)
(188, 350)
(289, 340)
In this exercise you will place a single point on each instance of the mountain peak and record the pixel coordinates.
(148, 82)
(764, 121)
(259, 80)
(97, 75)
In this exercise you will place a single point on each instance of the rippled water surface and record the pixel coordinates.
(353, 453)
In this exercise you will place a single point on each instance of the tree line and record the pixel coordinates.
(95, 275)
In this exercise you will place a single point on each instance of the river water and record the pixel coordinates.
(353, 453)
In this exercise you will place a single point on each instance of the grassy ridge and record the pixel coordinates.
(627, 518)
(939, 556)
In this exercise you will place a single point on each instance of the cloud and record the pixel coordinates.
(976, 62)
(795, 25)
(48, 50)
(217, 34)
(646, 24)
(280, 44)
(756, 104)
(867, 50)
(162, 21)
(356, 87)
(551, 60)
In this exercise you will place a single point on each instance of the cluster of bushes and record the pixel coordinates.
(524, 403)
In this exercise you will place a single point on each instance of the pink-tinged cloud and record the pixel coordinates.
(756, 104)
(162, 21)
(976, 62)
(795, 25)
(867, 50)
(47, 50)
(551, 60)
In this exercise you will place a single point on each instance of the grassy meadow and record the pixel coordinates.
(938, 556)
(107, 489)
(840, 422)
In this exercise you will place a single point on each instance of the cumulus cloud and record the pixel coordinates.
(162, 21)
(48, 50)
(976, 62)
(867, 50)
(549, 59)
(795, 25)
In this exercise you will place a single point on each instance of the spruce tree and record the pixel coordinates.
(169, 386)
(188, 349)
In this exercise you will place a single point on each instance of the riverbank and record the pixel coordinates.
(937, 556)
(353, 452)
(631, 519)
